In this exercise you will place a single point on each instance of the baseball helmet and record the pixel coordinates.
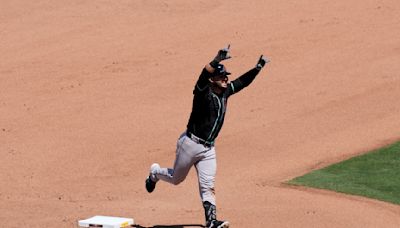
(220, 70)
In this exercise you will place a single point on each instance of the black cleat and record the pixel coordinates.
(150, 185)
(217, 224)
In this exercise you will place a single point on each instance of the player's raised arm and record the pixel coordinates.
(222, 55)
(209, 69)
(248, 77)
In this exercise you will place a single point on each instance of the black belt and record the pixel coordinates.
(199, 140)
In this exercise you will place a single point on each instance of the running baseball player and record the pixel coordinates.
(196, 146)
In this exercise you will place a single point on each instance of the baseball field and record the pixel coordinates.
(93, 92)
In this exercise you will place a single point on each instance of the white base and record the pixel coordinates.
(106, 222)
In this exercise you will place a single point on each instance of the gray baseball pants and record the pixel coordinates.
(189, 153)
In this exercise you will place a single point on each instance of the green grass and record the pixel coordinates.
(375, 175)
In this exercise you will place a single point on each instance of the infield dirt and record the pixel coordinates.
(93, 92)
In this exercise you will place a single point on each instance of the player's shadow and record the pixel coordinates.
(170, 226)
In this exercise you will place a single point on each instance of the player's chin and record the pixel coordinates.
(223, 85)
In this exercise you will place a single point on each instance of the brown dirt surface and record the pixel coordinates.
(93, 92)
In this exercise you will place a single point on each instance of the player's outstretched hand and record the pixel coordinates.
(261, 62)
(223, 54)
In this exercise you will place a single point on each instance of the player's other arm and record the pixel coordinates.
(209, 69)
(248, 77)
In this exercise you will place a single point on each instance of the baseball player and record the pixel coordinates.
(196, 146)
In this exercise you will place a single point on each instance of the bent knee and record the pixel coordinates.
(176, 181)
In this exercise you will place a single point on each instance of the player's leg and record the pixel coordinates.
(206, 172)
(186, 155)
(184, 160)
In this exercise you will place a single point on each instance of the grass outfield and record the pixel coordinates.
(374, 175)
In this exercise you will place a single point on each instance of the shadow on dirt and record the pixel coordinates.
(170, 226)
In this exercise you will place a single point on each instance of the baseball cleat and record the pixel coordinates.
(150, 185)
(217, 224)
(152, 179)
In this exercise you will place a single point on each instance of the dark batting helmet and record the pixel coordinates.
(220, 70)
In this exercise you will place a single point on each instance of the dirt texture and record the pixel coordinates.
(93, 92)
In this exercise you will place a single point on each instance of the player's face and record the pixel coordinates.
(221, 81)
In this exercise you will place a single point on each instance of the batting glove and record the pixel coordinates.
(223, 54)
(261, 62)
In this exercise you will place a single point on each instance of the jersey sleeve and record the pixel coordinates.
(242, 81)
(202, 82)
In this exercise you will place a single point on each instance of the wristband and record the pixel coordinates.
(214, 63)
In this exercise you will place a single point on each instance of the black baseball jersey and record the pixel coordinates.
(208, 110)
